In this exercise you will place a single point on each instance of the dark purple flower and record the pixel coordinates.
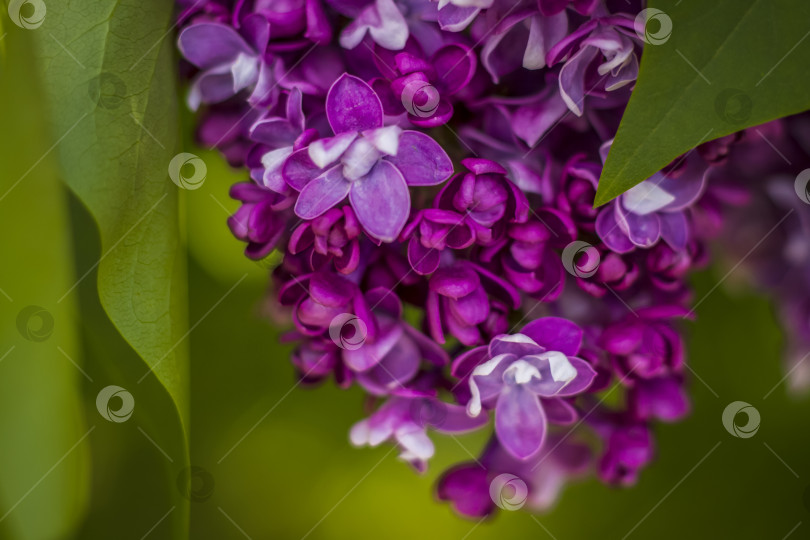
(487, 198)
(431, 231)
(523, 377)
(370, 164)
(333, 236)
(645, 345)
(422, 86)
(628, 448)
(260, 221)
(526, 256)
(662, 398)
(459, 300)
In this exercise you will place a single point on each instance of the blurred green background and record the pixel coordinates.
(272, 460)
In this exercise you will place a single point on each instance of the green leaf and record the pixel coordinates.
(727, 65)
(109, 69)
(44, 439)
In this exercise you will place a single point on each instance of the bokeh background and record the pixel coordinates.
(272, 459)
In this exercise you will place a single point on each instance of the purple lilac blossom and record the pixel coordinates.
(350, 118)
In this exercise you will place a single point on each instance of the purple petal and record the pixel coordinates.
(351, 105)
(455, 19)
(322, 193)
(609, 231)
(555, 334)
(423, 260)
(298, 169)
(454, 419)
(643, 231)
(466, 486)
(544, 33)
(583, 379)
(207, 45)
(397, 368)
(572, 79)
(520, 422)
(674, 229)
(381, 201)
(274, 132)
(455, 65)
(559, 411)
(532, 121)
(421, 160)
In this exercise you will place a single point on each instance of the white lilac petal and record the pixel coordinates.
(415, 443)
(245, 71)
(646, 197)
(474, 405)
(561, 368)
(273, 160)
(522, 372)
(324, 152)
(359, 159)
(360, 433)
(385, 139)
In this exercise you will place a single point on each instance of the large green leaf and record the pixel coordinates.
(109, 69)
(727, 65)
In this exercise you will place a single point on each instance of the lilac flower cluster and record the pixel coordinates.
(427, 169)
